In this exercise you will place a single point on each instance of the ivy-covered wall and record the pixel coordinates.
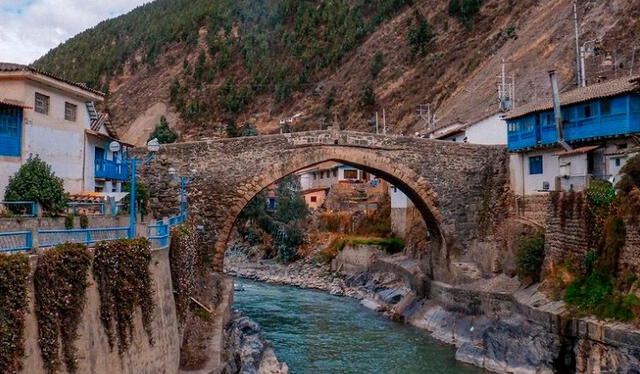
(94, 354)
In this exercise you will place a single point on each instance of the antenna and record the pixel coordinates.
(506, 90)
(429, 118)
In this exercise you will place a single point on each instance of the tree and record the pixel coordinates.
(377, 64)
(464, 10)
(420, 35)
(290, 203)
(142, 198)
(630, 175)
(367, 97)
(163, 132)
(249, 130)
(35, 181)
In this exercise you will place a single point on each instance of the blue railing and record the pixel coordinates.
(51, 238)
(112, 170)
(19, 208)
(158, 235)
(90, 209)
(15, 241)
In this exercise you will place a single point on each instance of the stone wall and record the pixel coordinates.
(630, 256)
(532, 207)
(356, 258)
(459, 189)
(566, 235)
(94, 354)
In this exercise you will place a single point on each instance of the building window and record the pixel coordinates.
(314, 175)
(605, 107)
(618, 162)
(535, 165)
(350, 174)
(335, 173)
(42, 103)
(70, 111)
(314, 199)
(10, 131)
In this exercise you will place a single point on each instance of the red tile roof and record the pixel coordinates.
(10, 67)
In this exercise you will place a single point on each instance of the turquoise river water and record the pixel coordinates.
(314, 332)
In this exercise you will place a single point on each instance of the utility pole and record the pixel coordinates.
(424, 112)
(579, 67)
(376, 123)
(384, 121)
(506, 91)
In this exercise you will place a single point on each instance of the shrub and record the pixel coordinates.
(14, 281)
(60, 282)
(464, 10)
(530, 257)
(367, 97)
(121, 271)
(420, 35)
(183, 258)
(68, 222)
(163, 132)
(287, 241)
(142, 198)
(630, 175)
(377, 64)
(84, 221)
(35, 181)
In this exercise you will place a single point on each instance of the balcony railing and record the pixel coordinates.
(108, 169)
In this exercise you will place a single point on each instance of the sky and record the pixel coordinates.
(29, 28)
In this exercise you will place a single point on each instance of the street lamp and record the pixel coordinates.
(183, 181)
(153, 146)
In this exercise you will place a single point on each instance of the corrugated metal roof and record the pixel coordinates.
(582, 94)
(10, 67)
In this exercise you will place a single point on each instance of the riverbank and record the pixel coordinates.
(494, 324)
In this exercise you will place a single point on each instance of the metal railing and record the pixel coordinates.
(19, 208)
(111, 169)
(158, 235)
(89, 209)
(51, 238)
(15, 241)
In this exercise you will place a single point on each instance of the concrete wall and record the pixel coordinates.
(356, 258)
(94, 355)
(53, 223)
(492, 130)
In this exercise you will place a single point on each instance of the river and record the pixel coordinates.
(314, 332)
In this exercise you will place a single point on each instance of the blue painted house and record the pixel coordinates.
(599, 123)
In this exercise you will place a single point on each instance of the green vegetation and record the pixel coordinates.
(35, 181)
(163, 132)
(530, 257)
(60, 282)
(290, 205)
(264, 47)
(121, 271)
(630, 176)
(68, 222)
(390, 245)
(142, 198)
(465, 10)
(377, 64)
(420, 35)
(14, 281)
(367, 97)
(84, 221)
(183, 259)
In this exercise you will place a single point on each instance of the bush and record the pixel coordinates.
(287, 241)
(84, 221)
(35, 181)
(163, 132)
(142, 198)
(420, 36)
(14, 281)
(377, 64)
(60, 282)
(68, 222)
(121, 271)
(630, 175)
(530, 257)
(367, 97)
(464, 10)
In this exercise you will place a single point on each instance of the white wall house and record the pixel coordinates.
(489, 130)
(55, 119)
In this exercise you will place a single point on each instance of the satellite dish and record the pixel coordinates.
(153, 145)
(115, 147)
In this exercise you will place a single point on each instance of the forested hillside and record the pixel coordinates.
(210, 66)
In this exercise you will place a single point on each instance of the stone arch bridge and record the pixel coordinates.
(458, 188)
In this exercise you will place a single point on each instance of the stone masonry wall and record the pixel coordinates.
(458, 188)
(566, 235)
(94, 355)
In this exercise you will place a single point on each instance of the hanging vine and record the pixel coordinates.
(121, 270)
(14, 277)
(60, 282)
(183, 258)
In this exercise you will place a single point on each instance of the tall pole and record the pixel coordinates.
(182, 196)
(384, 122)
(376, 123)
(132, 200)
(578, 54)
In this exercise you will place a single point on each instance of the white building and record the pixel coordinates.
(44, 115)
(488, 130)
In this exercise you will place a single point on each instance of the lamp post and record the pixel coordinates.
(153, 146)
(183, 181)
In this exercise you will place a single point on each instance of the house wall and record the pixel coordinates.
(576, 165)
(318, 195)
(533, 183)
(492, 130)
(57, 141)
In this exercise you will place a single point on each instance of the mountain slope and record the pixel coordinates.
(207, 63)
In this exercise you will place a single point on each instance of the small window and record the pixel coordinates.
(618, 162)
(535, 165)
(314, 175)
(70, 112)
(314, 199)
(335, 173)
(42, 103)
(351, 174)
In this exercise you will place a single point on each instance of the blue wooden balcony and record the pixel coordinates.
(107, 169)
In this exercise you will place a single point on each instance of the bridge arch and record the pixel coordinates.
(458, 188)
